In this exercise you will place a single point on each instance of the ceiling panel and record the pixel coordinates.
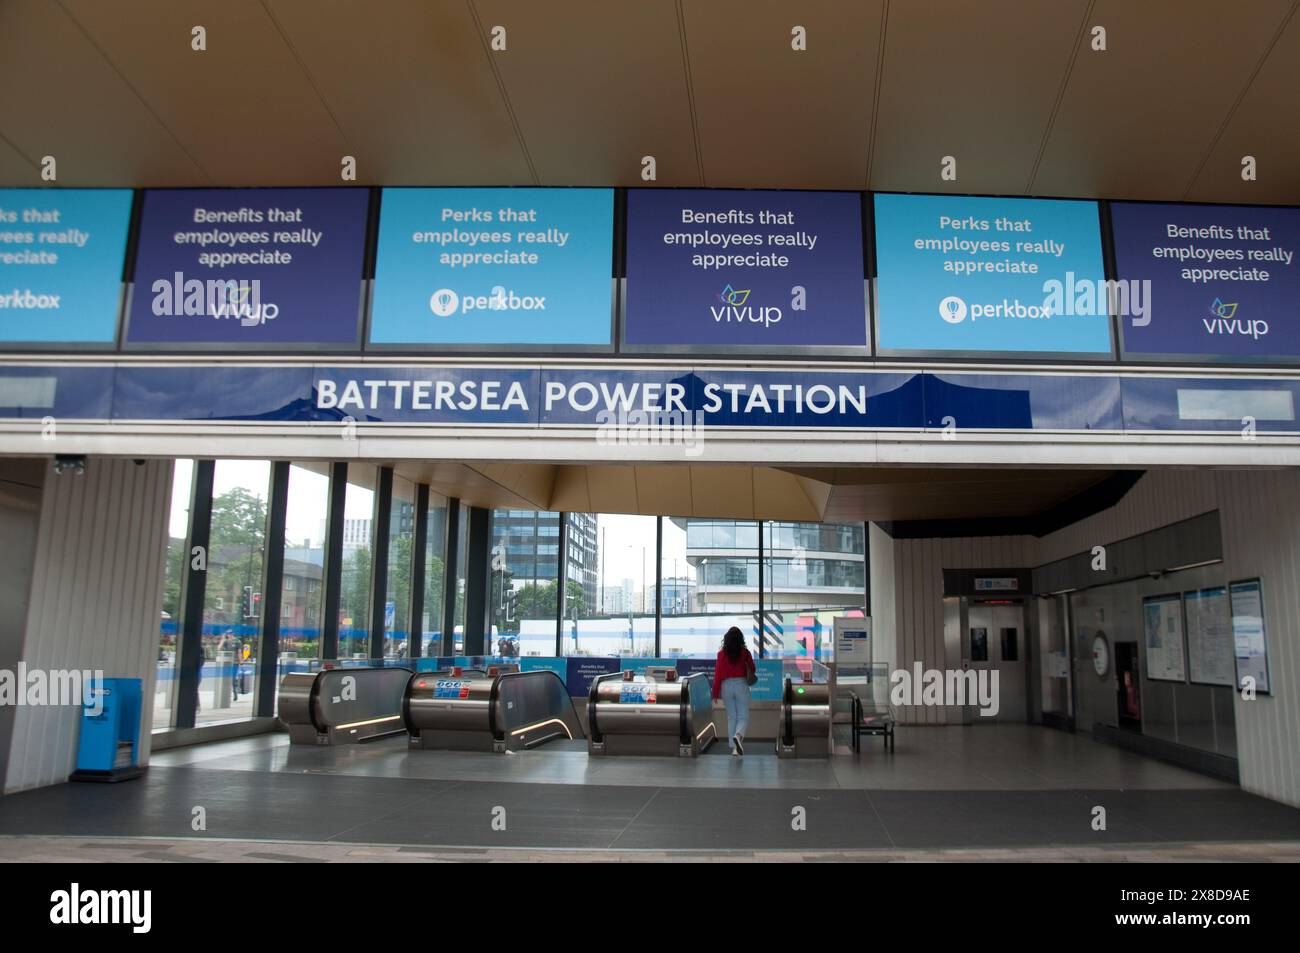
(1136, 120)
(413, 91)
(14, 168)
(244, 109)
(770, 116)
(984, 101)
(595, 86)
(1266, 124)
(60, 97)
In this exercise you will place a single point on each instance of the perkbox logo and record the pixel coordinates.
(445, 302)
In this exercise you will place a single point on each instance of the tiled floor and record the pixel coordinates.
(991, 757)
(994, 791)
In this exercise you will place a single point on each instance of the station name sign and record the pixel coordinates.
(549, 396)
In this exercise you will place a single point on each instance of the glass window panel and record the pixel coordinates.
(232, 610)
(715, 592)
(524, 583)
(613, 615)
(805, 589)
(355, 585)
(435, 575)
(401, 537)
(174, 571)
(306, 514)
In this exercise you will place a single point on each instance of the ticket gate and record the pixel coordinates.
(342, 705)
(805, 727)
(629, 713)
(502, 709)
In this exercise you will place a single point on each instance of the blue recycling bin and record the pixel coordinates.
(109, 746)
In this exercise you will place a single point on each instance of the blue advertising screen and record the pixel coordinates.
(61, 253)
(963, 274)
(720, 268)
(1217, 280)
(494, 267)
(249, 267)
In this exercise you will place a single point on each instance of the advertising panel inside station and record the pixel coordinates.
(1221, 280)
(61, 256)
(249, 268)
(972, 276)
(494, 267)
(719, 269)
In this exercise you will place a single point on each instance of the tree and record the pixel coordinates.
(235, 549)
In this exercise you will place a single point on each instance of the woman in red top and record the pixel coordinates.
(731, 681)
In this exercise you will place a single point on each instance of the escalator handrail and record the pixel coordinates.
(500, 736)
(686, 725)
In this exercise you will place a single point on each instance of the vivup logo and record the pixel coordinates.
(1223, 320)
(244, 302)
(214, 298)
(75, 906)
(734, 309)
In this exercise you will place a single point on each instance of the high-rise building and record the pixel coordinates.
(805, 565)
(528, 543)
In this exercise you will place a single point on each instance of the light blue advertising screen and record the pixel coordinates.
(957, 273)
(61, 253)
(494, 267)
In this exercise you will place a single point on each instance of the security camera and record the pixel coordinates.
(67, 463)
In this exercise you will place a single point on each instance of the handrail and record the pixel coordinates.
(685, 725)
(499, 732)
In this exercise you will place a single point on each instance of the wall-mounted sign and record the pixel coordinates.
(996, 584)
(717, 269)
(1222, 280)
(1209, 636)
(1249, 634)
(249, 268)
(61, 253)
(1162, 623)
(958, 274)
(494, 267)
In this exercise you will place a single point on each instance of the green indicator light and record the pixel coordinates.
(799, 690)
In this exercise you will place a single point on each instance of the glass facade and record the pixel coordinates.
(595, 584)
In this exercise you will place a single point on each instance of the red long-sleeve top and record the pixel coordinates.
(726, 669)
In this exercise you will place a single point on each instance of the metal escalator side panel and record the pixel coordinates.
(294, 706)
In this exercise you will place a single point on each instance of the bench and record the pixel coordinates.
(870, 718)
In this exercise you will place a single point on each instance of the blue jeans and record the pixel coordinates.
(735, 695)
